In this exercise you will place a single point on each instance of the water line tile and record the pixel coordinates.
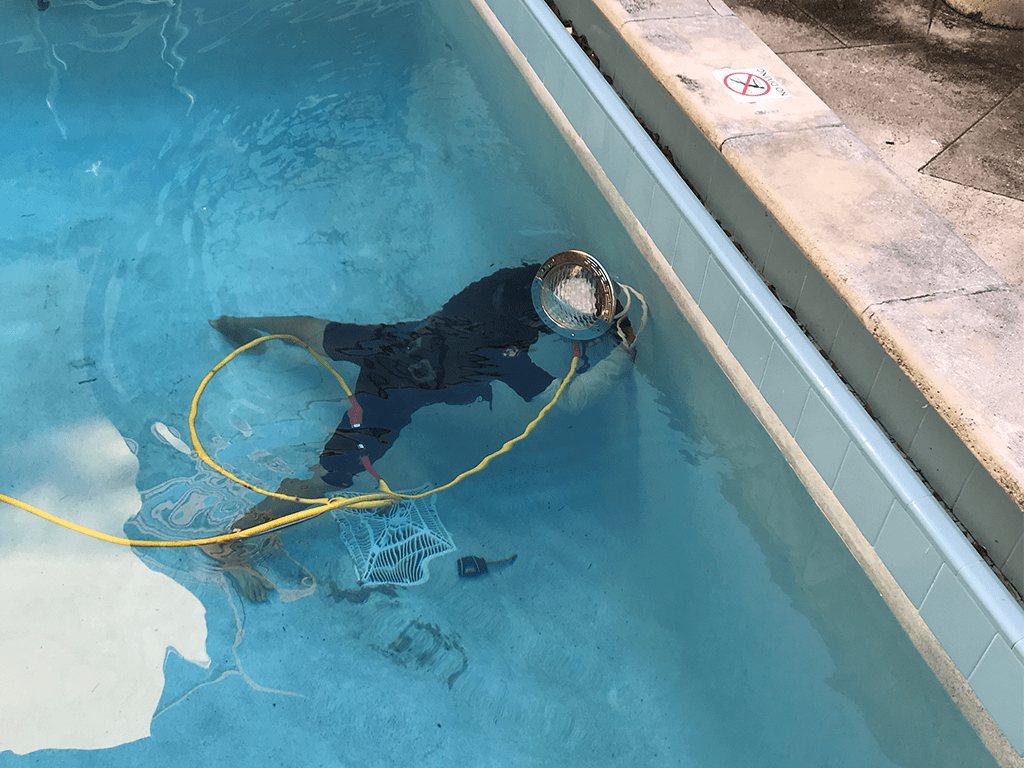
(664, 221)
(691, 260)
(750, 341)
(718, 299)
(866, 497)
(551, 67)
(638, 189)
(998, 681)
(594, 124)
(908, 554)
(784, 387)
(957, 621)
(822, 438)
(574, 102)
(615, 156)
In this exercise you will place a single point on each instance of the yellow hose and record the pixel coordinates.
(366, 501)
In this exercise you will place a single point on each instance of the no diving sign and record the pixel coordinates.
(751, 85)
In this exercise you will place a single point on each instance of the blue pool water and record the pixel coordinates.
(677, 598)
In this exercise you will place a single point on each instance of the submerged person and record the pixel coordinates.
(482, 334)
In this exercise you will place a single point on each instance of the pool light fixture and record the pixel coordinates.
(574, 296)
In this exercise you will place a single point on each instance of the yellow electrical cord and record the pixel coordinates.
(365, 501)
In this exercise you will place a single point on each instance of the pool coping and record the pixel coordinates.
(947, 585)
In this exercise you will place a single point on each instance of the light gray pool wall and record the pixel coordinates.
(976, 620)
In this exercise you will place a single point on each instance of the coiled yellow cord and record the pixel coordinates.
(366, 501)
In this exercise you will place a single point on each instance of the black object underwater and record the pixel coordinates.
(472, 565)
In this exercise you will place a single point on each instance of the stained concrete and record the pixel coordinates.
(988, 156)
(936, 95)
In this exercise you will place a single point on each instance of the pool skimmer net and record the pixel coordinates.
(394, 546)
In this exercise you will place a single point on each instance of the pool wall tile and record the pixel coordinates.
(784, 387)
(756, 232)
(718, 299)
(638, 190)
(549, 65)
(691, 260)
(908, 554)
(864, 495)
(594, 124)
(1004, 613)
(912, 534)
(956, 621)
(1014, 565)
(727, 185)
(787, 268)
(941, 456)
(820, 309)
(615, 156)
(750, 341)
(663, 221)
(984, 506)
(823, 439)
(999, 681)
(895, 400)
(857, 354)
(576, 101)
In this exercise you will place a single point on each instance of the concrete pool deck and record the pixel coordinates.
(887, 220)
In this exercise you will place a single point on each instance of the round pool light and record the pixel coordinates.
(574, 296)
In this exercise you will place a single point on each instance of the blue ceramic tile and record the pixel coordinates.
(690, 259)
(985, 508)
(1013, 568)
(820, 309)
(999, 605)
(863, 493)
(908, 554)
(755, 232)
(615, 156)
(729, 197)
(638, 189)
(784, 387)
(956, 620)
(520, 24)
(822, 438)
(750, 342)
(857, 354)
(594, 125)
(941, 456)
(551, 68)
(896, 402)
(575, 101)
(718, 299)
(785, 268)
(663, 221)
(998, 682)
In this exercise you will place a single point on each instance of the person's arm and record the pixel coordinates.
(597, 381)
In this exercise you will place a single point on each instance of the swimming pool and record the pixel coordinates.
(677, 597)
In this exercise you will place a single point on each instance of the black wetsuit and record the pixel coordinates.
(482, 333)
